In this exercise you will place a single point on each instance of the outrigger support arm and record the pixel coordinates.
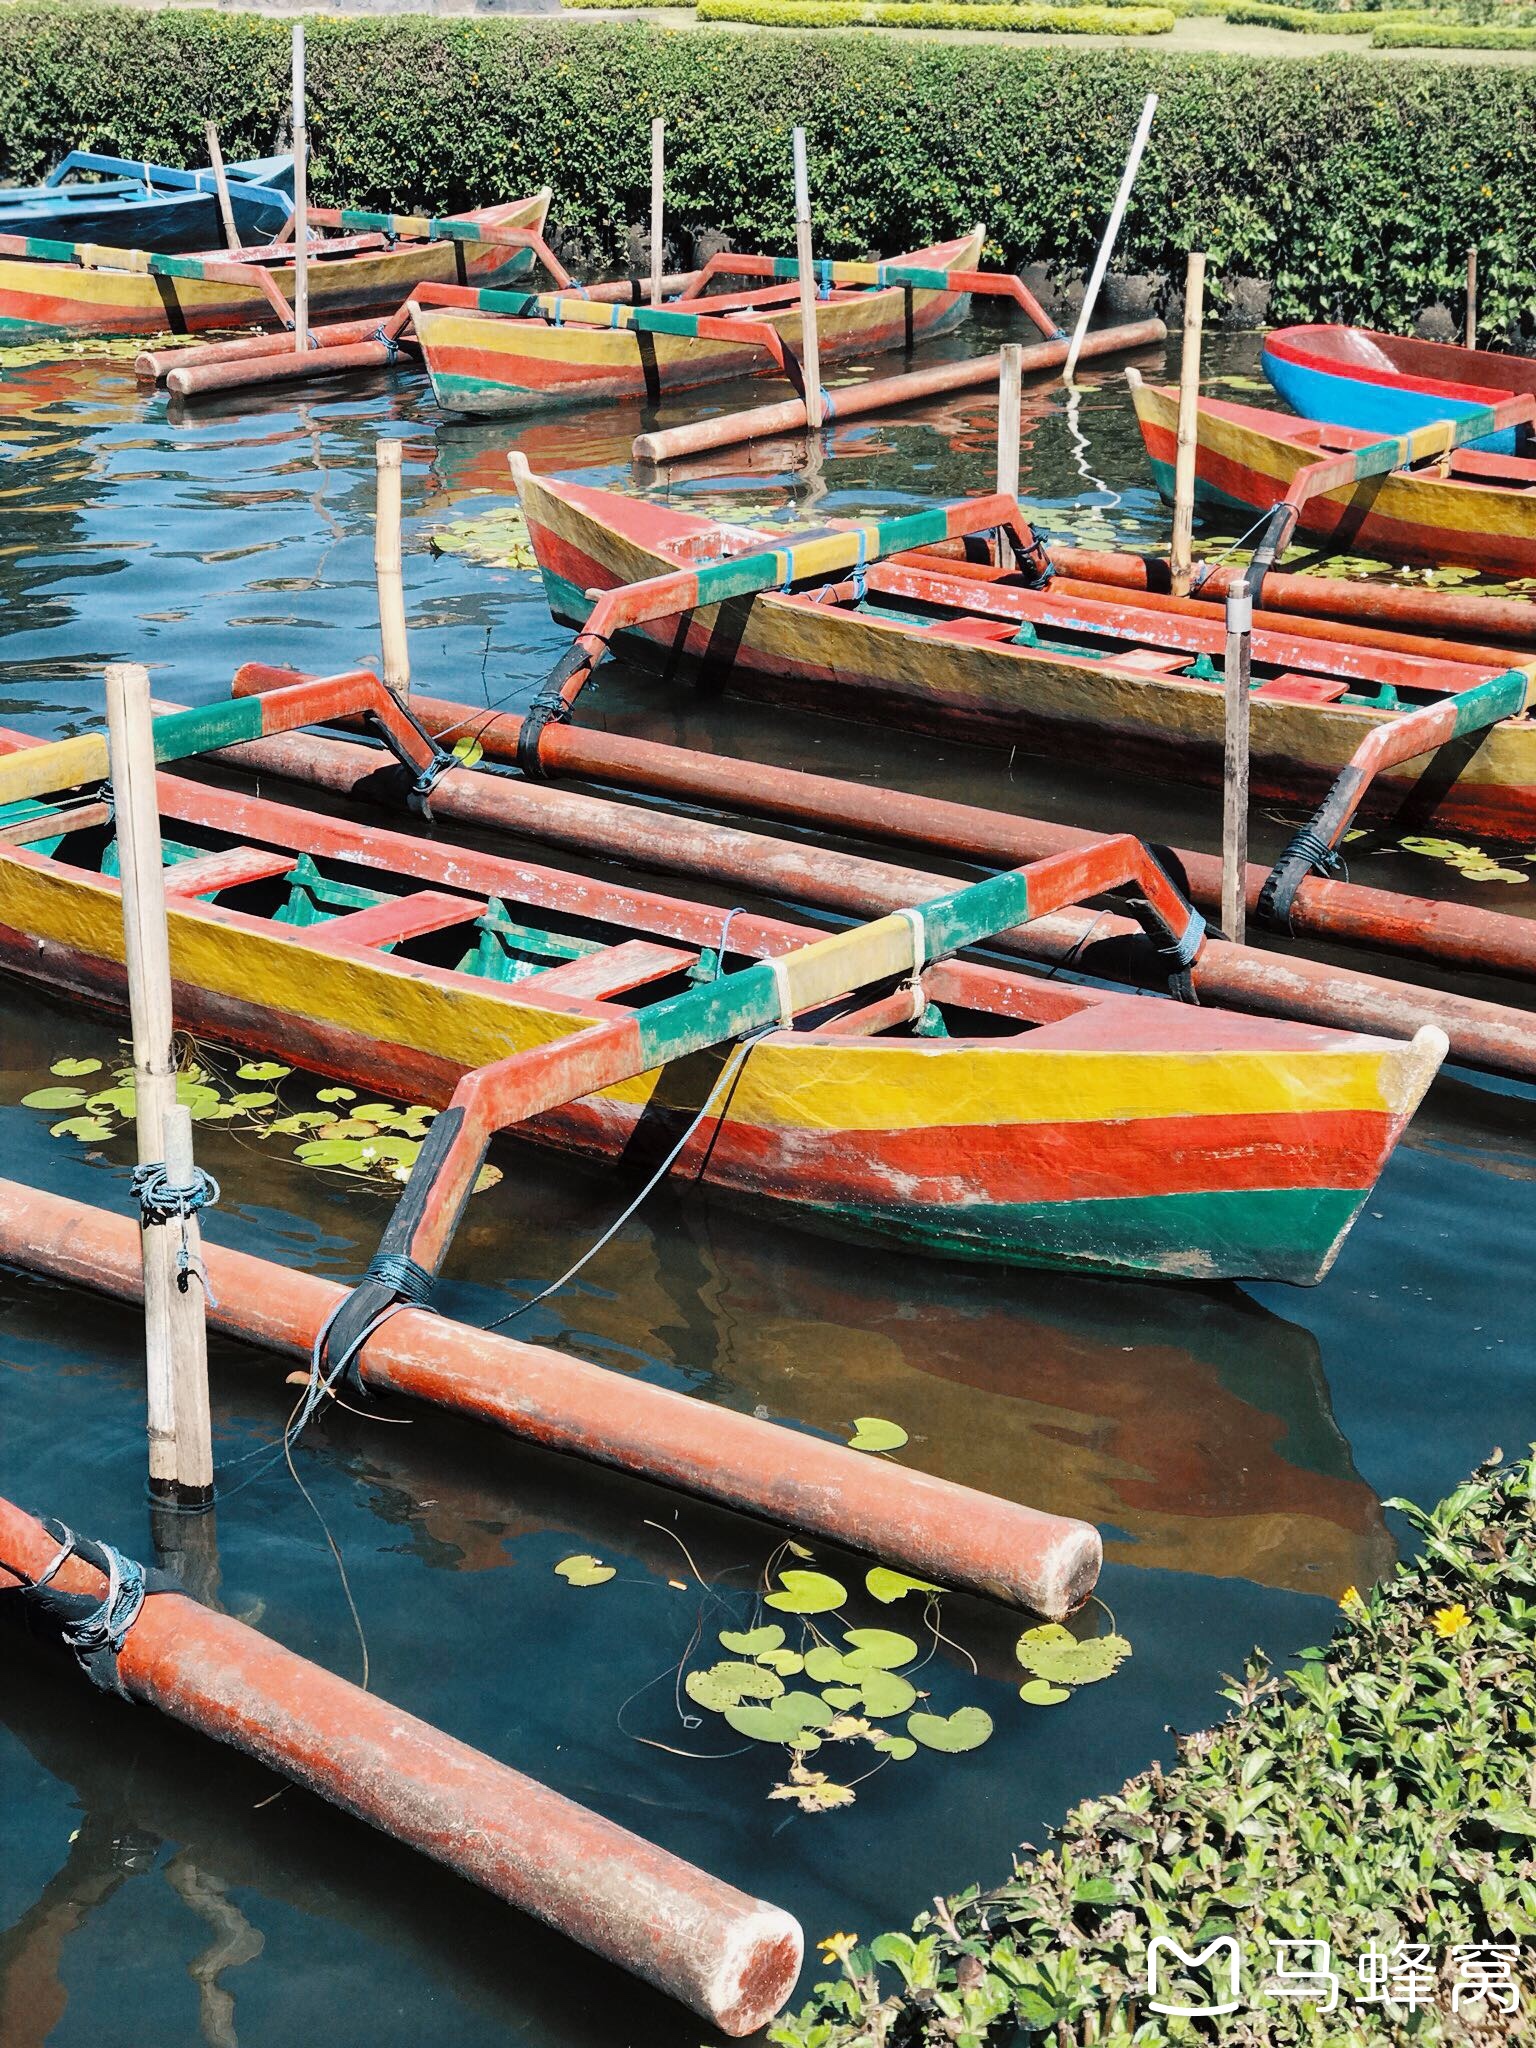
(813, 557)
(763, 997)
(999, 284)
(1396, 740)
(67, 764)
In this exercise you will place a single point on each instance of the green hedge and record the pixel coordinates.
(1382, 1793)
(1447, 36)
(1110, 18)
(1356, 185)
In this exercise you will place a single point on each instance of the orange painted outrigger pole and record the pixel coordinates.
(731, 1959)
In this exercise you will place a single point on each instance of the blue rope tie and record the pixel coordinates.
(162, 1200)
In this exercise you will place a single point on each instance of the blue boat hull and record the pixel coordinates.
(1375, 408)
(125, 213)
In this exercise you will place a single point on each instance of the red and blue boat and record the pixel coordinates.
(1387, 384)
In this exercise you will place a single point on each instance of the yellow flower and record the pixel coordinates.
(1350, 1597)
(1450, 1621)
(837, 1948)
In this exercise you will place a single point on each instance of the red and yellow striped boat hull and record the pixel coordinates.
(483, 363)
(1056, 1127)
(1137, 705)
(1474, 508)
(39, 297)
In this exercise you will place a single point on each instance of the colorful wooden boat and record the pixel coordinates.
(1390, 384)
(1471, 508)
(79, 289)
(564, 352)
(1063, 669)
(1027, 1121)
(130, 205)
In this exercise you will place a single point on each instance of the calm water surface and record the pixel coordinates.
(1234, 1444)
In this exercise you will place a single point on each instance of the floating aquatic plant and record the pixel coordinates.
(874, 1433)
(371, 1141)
(498, 538)
(584, 1570)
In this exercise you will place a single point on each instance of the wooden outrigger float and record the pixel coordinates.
(1003, 651)
(370, 264)
(1045, 1125)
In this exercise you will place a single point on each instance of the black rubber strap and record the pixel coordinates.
(94, 1629)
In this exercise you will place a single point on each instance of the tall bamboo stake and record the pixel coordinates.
(387, 566)
(658, 180)
(1181, 549)
(810, 346)
(1106, 247)
(226, 211)
(176, 1358)
(1234, 781)
(1010, 405)
(300, 198)
(1471, 298)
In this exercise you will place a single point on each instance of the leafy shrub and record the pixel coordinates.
(1355, 185)
(1379, 1794)
(1110, 17)
(1436, 35)
(1309, 21)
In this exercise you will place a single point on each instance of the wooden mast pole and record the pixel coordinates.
(1471, 298)
(1181, 548)
(176, 1350)
(387, 566)
(300, 198)
(1234, 781)
(658, 181)
(810, 346)
(1106, 247)
(226, 211)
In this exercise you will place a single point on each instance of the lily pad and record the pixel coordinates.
(469, 751)
(261, 1070)
(803, 1592)
(72, 1069)
(830, 1667)
(898, 1746)
(788, 1717)
(882, 1646)
(1035, 1692)
(1053, 1653)
(54, 1098)
(874, 1433)
(785, 1662)
(752, 1642)
(336, 1095)
(815, 1793)
(966, 1728)
(882, 1693)
(887, 1585)
(583, 1570)
(727, 1685)
(259, 1098)
(86, 1128)
(304, 1120)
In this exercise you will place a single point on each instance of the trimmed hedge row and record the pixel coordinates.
(1109, 18)
(1377, 1800)
(1355, 186)
(1447, 36)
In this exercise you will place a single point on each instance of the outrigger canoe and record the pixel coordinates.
(1070, 667)
(1470, 507)
(1390, 384)
(953, 1107)
(564, 351)
(87, 197)
(50, 287)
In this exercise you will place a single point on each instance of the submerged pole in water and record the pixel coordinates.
(300, 198)
(658, 182)
(1181, 547)
(731, 1959)
(1010, 402)
(1107, 246)
(387, 567)
(176, 1349)
(226, 211)
(1234, 780)
(810, 342)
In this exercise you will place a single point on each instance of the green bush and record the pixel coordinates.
(1382, 1793)
(1109, 18)
(1356, 184)
(624, 3)
(1436, 35)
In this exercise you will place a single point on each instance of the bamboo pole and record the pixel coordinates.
(1234, 783)
(1471, 298)
(1010, 404)
(387, 567)
(1106, 247)
(300, 198)
(658, 181)
(810, 345)
(1181, 549)
(180, 1446)
(226, 211)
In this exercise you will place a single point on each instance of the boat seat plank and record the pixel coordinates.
(974, 629)
(401, 917)
(1290, 689)
(232, 866)
(1518, 471)
(1151, 661)
(608, 973)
